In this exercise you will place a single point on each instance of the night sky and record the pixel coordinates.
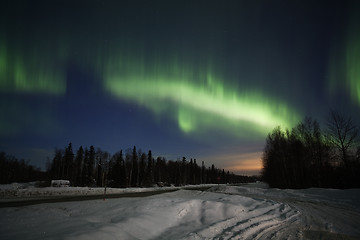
(201, 79)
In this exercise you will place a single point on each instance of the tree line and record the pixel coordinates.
(132, 168)
(307, 156)
(15, 170)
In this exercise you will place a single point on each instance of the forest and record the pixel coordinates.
(132, 168)
(307, 156)
(14, 170)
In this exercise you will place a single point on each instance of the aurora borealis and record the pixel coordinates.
(203, 79)
(345, 59)
(200, 104)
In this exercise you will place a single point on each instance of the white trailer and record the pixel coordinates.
(60, 183)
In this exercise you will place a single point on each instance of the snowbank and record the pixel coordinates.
(28, 190)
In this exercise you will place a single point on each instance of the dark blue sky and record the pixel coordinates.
(203, 79)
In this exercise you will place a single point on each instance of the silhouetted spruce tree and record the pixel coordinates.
(134, 168)
(123, 171)
(203, 173)
(142, 169)
(112, 167)
(165, 171)
(184, 171)
(99, 171)
(150, 170)
(118, 171)
(174, 172)
(79, 162)
(102, 162)
(56, 165)
(191, 177)
(197, 173)
(69, 162)
(128, 166)
(98, 168)
(90, 167)
(158, 170)
(85, 171)
(106, 167)
(228, 177)
(115, 172)
(223, 177)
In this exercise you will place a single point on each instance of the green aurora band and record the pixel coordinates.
(197, 99)
(344, 66)
(353, 56)
(30, 71)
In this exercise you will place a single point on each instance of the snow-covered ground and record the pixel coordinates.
(251, 211)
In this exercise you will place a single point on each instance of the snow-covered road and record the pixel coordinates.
(251, 211)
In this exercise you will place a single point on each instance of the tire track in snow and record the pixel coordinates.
(256, 226)
(266, 219)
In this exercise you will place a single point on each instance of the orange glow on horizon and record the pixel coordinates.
(243, 163)
(248, 164)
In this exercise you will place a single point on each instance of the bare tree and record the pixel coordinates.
(343, 133)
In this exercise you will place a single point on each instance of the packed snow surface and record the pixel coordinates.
(251, 211)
